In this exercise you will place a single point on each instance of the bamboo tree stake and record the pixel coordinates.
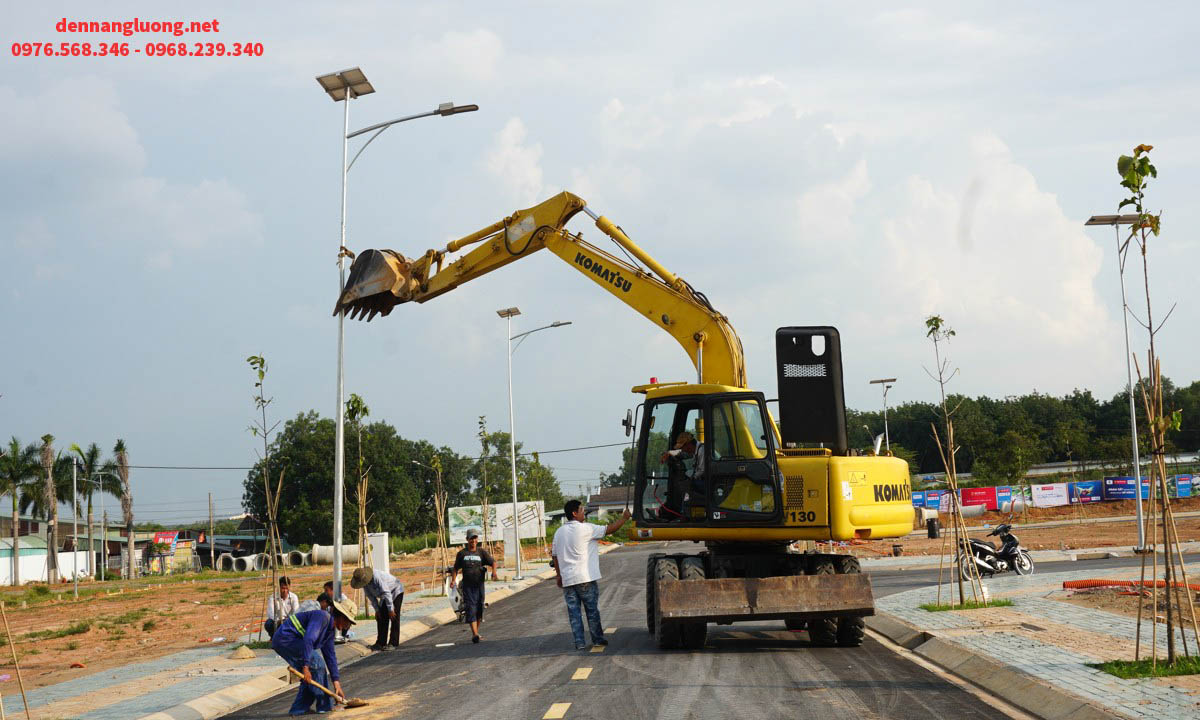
(17, 665)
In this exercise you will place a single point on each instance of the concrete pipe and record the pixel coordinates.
(262, 561)
(224, 562)
(281, 560)
(323, 554)
(308, 558)
(971, 511)
(244, 563)
(295, 558)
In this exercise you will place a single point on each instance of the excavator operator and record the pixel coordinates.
(685, 484)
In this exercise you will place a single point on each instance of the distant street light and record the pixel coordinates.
(343, 86)
(886, 383)
(508, 314)
(1116, 221)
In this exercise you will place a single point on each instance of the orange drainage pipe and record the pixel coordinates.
(1081, 584)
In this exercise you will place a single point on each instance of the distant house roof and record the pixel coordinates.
(611, 496)
(30, 545)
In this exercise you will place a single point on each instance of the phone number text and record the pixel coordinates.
(124, 49)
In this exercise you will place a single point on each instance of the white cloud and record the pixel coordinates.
(516, 164)
(83, 156)
(474, 55)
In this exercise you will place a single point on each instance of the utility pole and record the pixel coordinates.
(212, 543)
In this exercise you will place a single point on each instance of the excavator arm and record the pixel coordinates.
(381, 279)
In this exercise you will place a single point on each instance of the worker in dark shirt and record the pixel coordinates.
(472, 560)
(305, 641)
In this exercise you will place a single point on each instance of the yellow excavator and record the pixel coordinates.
(712, 464)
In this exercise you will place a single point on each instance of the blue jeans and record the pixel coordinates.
(583, 594)
(308, 693)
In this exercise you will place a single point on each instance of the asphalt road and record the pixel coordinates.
(527, 660)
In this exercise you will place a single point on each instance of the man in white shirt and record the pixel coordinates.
(281, 605)
(577, 564)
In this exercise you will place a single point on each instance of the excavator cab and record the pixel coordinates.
(706, 459)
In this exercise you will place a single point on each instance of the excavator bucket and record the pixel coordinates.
(379, 280)
(798, 597)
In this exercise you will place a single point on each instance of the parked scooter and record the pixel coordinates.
(991, 560)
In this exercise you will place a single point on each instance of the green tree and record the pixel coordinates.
(18, 471)
(91, 480)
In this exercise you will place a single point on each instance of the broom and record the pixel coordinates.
(348, 702)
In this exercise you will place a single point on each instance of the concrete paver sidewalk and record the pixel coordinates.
(204, 682)
(1036, 654)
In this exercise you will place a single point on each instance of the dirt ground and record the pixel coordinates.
(118, 623)
(1083, 533)
(1124, 601)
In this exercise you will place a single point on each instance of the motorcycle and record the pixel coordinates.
(991, 560)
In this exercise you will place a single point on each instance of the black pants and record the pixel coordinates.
(382, 620)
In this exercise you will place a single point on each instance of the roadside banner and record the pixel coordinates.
(944, 501)
(1086, 491)
(918, 498)
(1121, 488)
(933, 498)
(1004, 495)
(1052, 495)
(1183, 486)
(980, 496)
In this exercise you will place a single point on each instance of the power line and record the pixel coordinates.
(186, 467)
(586, 447)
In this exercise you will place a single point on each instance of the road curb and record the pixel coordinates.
(271, 683)
(1006, 682)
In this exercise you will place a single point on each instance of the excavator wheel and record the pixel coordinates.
(823, 631)
(850, 630)
(693, 634)
(666, 569)
(651, 564)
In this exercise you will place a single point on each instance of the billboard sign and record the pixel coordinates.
(980, 496)
(1183, 486)
(531, 516)
(165, 537)
(918, 498)
(932, 498)
(1086, 491)
(1053, 495)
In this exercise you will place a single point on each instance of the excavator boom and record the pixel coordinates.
(381, 279)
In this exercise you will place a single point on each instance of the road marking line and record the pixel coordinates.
(597, 648)
(443, 645)
(556, 711)
(609, 631)
(582, 673)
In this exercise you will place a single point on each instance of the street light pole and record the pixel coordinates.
(342, 86)
(74, 523)
(1116, 221)
(508, 314)
(512, 444)
(886, 384)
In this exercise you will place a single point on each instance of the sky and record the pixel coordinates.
(858, 165)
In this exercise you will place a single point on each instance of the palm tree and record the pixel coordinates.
(18, 467)
(89, 466)
(50, 506)
(120, 465)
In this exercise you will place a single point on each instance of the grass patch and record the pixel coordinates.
(259, 645)
(116, 622)
(73, 645)
(1129, 669)
(968, 605)
(77, 629)
(148, 625)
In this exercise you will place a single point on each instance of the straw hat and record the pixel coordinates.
(348, 608)
(362, 576)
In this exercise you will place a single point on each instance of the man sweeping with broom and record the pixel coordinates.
(305, 641)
